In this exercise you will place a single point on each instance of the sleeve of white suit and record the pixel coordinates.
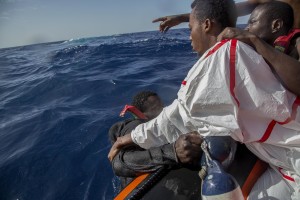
(156, 132)
(203, 105)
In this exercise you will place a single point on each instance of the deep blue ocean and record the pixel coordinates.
(58, 101)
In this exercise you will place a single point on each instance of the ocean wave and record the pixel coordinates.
(58, 101)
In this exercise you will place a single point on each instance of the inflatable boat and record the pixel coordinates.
(185, 184)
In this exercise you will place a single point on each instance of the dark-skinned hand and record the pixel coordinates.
(168, 21)
(188, 148)
(236, 33)
(118, 145)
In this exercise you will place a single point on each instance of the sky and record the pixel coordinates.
(24, 22)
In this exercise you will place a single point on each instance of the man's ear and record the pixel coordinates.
(208, 24)
(277, 25)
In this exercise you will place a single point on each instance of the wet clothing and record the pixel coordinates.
(231, 91)
(133, 161)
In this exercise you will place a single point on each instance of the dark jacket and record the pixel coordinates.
(133, 161)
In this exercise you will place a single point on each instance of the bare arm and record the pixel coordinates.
(167, 22)
(173, 20)
(245, 8)
(286, 67)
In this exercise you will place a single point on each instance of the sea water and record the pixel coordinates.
(58, 101)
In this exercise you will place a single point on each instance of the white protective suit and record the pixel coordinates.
(232, 91)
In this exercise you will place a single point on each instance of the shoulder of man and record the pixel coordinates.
(121, 128)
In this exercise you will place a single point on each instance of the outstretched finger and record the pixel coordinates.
(159, 19)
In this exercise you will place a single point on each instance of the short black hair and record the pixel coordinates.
(278, 10)
(193, 4)
(223, 11)
(140, 98)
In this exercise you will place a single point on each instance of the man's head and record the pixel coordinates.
(148, 103)
(208, 18)
(271, 20)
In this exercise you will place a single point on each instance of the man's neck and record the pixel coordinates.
(212, 38)
(212, 41)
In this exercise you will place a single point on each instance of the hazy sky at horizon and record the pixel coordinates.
(25, 22)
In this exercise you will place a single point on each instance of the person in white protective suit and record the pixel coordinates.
(232, 91)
